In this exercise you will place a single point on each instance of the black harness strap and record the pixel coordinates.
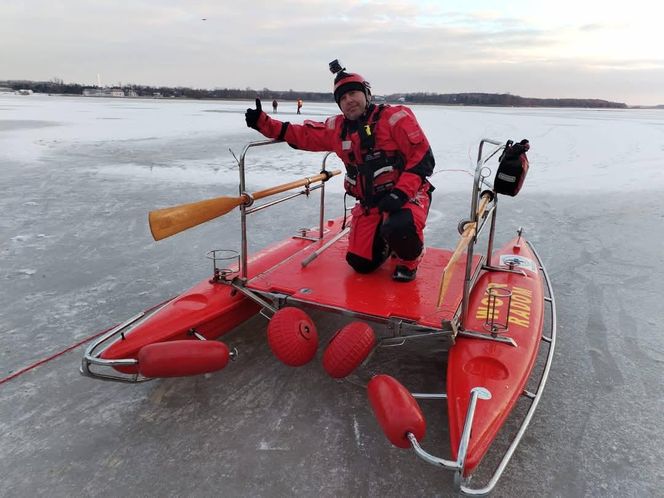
(282, 133)
(367, 133)
(371, 160)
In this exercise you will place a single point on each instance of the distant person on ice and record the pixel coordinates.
(299, 105)
(388, 160)
(275, 104)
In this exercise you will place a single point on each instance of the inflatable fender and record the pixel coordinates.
(182, 358)
(348, 348)
(396, 410)
(292, 336)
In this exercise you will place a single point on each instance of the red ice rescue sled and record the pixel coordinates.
(494, 310)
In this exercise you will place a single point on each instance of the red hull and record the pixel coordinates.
(501, 368)
(212, 309)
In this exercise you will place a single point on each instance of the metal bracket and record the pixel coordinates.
(487, 337)
(504, 270)
(238, 284)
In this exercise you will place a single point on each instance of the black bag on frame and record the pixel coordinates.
(512, 168)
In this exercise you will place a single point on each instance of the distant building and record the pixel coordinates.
(103, 92)
(93, 92)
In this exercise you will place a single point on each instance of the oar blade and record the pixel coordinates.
(462, 245)
(169, 221)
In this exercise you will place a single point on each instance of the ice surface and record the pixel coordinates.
(78, 176)
(188, 141)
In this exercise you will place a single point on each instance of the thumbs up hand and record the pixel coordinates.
(253, 115)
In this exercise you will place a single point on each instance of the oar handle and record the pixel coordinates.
(294, 184)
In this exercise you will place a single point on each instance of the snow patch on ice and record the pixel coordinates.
(265, 446)
(356, 431)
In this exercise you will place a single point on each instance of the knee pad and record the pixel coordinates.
(401, 234)
(360, 264)
(380, 252)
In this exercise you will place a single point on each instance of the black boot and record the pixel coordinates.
(403, 274)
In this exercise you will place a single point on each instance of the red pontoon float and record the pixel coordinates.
(490, 309)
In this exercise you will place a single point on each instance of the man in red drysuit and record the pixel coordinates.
(387, 159)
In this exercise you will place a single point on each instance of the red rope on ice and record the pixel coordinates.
(454, 170)
(66, 350)
(52, 357)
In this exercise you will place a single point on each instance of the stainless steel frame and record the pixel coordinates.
(246, 210)
(92, 356)
(479, 180)
(479, 393)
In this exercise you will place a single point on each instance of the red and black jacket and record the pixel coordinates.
(384, 149)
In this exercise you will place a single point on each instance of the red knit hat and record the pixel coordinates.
(345, 82)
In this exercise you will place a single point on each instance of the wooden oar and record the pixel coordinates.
(169, 221)
(466, 237)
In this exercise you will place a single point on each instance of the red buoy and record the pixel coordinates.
(182, 358)
(292, 336)
(396, 410)
(348, 348)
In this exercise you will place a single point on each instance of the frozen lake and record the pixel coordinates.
(187, 143)
(76, 256)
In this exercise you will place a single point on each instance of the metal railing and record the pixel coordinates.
(247, 209)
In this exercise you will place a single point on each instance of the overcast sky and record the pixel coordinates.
(554, 48)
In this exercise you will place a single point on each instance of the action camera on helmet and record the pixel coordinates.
(335, 67)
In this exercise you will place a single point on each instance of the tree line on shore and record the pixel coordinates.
(57, 86)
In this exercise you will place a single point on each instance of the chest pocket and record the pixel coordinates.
(408, 126)
(381, 171)
(372, 179)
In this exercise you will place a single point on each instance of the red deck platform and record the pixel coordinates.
(329, 281)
